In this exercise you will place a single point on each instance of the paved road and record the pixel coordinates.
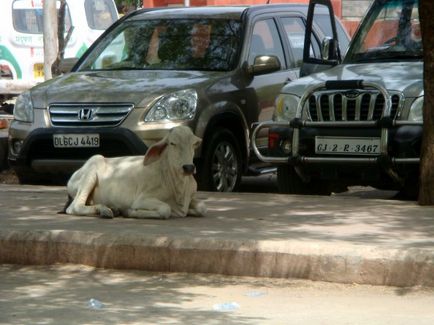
(61, 295)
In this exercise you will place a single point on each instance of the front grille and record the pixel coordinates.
(100, 115)
(366, 105)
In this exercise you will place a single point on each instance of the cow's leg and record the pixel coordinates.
(197, 208)
(86, 184)
(149, 208)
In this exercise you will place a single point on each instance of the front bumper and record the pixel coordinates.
(293, 143)
(400, 161)
(38, 153)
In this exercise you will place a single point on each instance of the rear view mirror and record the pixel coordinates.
(329, 49)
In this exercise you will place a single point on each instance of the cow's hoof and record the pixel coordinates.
(106, 213)
(200, 210)
(164, 212)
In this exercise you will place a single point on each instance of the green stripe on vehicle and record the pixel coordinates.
(81, 51)
(6, 55)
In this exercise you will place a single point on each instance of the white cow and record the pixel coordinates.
(157, 185)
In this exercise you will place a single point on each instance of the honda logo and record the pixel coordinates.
(85, 114)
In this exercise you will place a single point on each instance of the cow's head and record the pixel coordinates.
(178, 147)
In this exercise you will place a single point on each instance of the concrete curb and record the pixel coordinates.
(279, 259)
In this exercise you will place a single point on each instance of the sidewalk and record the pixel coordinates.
(343, 239)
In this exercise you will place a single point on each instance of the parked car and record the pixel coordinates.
(21, 39)
(359, 123)
(214, 69)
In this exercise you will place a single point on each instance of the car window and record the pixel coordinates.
(169, 44)
(28, 19)
(324, 22)
(266, 41)
(323, 30)
(100, 14)
(295, 28)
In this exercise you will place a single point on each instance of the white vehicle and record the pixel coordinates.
(21, 38)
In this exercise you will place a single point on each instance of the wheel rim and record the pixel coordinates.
(224, 167)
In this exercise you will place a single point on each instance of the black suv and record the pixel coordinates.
(361, 122)
(215, 69)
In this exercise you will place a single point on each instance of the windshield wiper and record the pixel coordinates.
(120, 68)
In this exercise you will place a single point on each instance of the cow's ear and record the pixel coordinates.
(154, 152)
(197, 142)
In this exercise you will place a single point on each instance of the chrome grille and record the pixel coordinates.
(366, 105)
(89, 114)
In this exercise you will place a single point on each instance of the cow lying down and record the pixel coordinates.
(157, 185)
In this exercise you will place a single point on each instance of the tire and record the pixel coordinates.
(220, 169)
(3, 154)
(410, 190)
(289, 182)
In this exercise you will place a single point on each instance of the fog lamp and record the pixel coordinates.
(286, 147)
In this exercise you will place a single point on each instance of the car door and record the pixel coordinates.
(330, 53)
(294, 30)
(266, 39)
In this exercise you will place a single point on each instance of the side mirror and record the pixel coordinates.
(263, 64)
(329, 49)
(67, 64)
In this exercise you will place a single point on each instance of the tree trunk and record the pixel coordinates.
(55, 68)
(50, 36)
(426, 185)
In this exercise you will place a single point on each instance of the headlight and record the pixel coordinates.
(180, 105)
(23, 110)
(416, 110)
(286, 107)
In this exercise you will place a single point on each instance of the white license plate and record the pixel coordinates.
(354, 146)
(76, 140)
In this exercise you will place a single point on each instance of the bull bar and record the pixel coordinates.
(297, 123)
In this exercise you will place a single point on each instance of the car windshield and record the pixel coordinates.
(168, 44)
(390, 32)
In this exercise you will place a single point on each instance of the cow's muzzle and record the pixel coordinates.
(189, 169)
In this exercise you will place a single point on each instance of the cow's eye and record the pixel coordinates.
(172, 143)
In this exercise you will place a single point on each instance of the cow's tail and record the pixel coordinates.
(67, 204)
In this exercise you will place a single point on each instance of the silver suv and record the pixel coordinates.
(215, 69)
(359, 123)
